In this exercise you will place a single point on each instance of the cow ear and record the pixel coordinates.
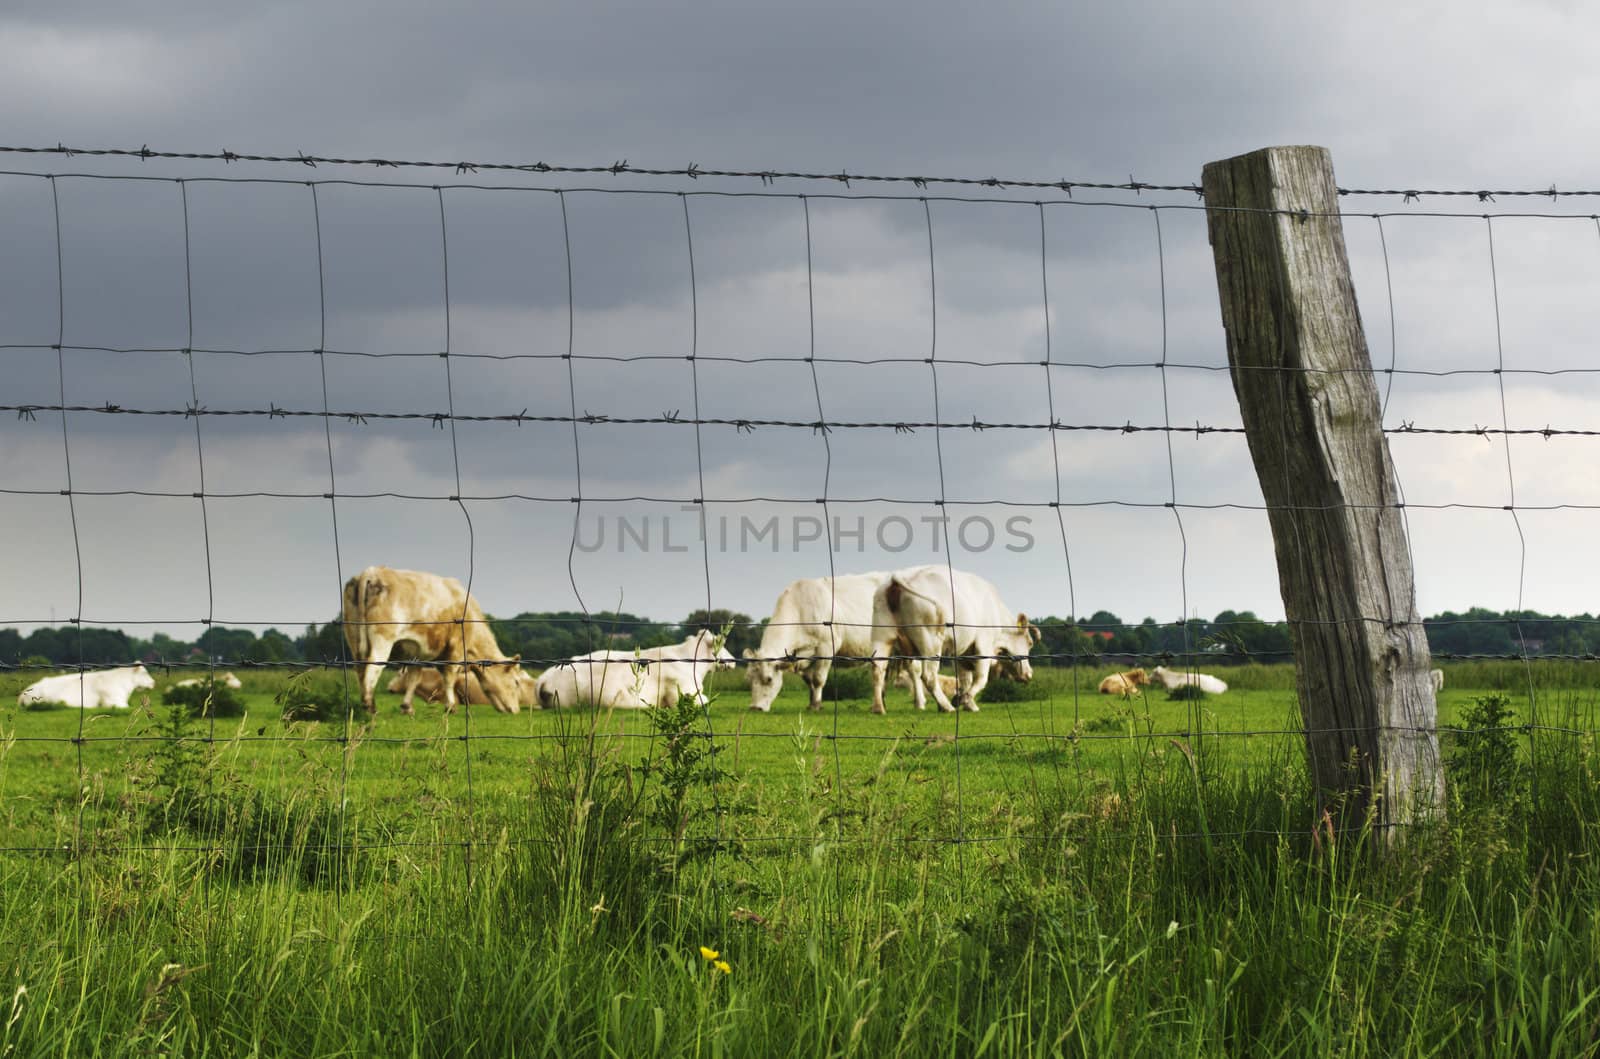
(1022, 621)
(747, 654)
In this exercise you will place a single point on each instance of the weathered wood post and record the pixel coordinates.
(1309, 401)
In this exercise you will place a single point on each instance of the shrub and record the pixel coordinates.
(844, 684)
(1004, 689)
(313, 696)
(208, 698)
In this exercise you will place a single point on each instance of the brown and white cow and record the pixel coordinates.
(436, 620)
(1125, 684)
(429, 683)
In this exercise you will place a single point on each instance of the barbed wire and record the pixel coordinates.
(744, 425)
(694, 171)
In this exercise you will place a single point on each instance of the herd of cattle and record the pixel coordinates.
(902, 620)
(898, 622)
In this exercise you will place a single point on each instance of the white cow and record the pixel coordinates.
(227, 679)
(107, 687)
(1174, 679)
(814, 622)
(938, 611)
(1436, 678)
(652, 676)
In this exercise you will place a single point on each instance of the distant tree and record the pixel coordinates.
(323, 645)
(273, 646)
(70, 645)
(228, 645)
(742, 634)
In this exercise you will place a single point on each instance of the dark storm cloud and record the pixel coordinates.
(1068, 93)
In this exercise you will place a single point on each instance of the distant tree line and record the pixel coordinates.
(1230, 637)
(534, 636)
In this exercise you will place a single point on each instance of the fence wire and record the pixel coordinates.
(592, 426)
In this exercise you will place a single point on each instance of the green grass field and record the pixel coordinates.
(1065, 873)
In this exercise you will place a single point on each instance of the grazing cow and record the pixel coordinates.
(1125, 684)
(429, 683)
(107, 687)
(814, 622)
(227, 679)
(938, 611)
(436, 620)
(652, 676)
(1173, 679)
(1436, 678)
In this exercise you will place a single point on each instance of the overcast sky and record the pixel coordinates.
(1410, 97)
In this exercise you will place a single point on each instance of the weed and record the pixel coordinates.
(1483, 764)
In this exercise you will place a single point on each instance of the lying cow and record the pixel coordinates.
(429, 683)
(226, 679)
(652, 676)
(107, 687)
(1125, 684)
(1174, 679)
(1436, 678)
(937, 612)
(435, 620)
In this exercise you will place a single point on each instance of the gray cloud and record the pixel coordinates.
(1099, 94)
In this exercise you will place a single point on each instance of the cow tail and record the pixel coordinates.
(896, 593)
(363, 633)
(367, 588)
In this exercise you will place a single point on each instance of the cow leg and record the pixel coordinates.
(880, 672)
(370, 669)
(930, 681)
(880, 675)
(919, 697)
(451, 673)
(972, 681)
(930, 672)
(410, 677)
(817, 679)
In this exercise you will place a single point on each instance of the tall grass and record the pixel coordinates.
(1161, 907)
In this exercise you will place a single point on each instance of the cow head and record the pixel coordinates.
(766, 678)
(1012, 647)
(142, 678)
(501, 682)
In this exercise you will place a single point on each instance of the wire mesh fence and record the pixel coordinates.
(229, 395)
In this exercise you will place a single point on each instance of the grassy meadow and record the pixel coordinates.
(1062, 873)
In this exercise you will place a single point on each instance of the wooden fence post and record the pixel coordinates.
(1311, 414)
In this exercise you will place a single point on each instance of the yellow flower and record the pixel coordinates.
(722, 965)
(709, 954)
